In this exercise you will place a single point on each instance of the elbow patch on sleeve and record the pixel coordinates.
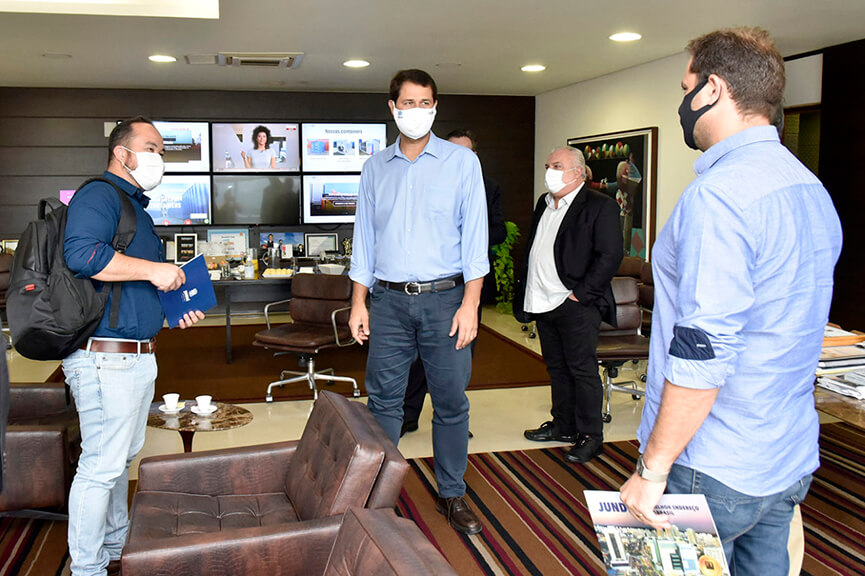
(691, 344)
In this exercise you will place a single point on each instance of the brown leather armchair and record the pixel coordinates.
(319, 306)
(624, 343)
(647, 297)
(43, 443)
(258, 509)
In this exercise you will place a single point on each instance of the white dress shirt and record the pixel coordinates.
(544, 288)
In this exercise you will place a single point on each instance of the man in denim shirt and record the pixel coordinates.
(743, 275)
(112, 378)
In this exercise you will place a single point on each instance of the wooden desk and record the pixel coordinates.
(850, 410)
(226, 417)
(257, 290)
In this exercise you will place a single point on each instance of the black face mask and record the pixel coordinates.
(689, 117)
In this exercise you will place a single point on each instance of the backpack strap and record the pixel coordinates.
(123, 236)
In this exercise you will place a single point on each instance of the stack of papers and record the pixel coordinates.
(849, 384)
(843, 351)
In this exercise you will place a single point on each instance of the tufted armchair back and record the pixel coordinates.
(336, 463)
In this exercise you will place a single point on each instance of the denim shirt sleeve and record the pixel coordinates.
(91, 221)
(363, 243)
(715, 289)
(475, 227)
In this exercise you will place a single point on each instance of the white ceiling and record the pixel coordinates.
(469, 46)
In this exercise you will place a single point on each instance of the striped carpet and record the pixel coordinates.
(535, 519)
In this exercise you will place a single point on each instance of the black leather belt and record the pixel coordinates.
(121, 346)
(415, 288)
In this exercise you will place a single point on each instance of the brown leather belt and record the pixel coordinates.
(121, 346)
(415, 288)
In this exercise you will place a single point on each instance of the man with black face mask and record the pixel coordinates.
(112, 377)
(743, 273)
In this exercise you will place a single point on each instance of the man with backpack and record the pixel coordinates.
(112, 377)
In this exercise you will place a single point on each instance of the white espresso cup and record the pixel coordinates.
(171, 401)
(203, 401)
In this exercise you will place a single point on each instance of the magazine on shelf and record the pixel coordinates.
(841, 384)
(690, 547)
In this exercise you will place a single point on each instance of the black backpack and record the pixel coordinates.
(52, 313)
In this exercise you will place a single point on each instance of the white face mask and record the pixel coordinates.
(555, 179)
(415, 123)
(149, 171)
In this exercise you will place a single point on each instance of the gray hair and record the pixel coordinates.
(579, 159)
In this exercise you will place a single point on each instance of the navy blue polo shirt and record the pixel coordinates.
(92, 220)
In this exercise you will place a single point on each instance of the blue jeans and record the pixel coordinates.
(112, 394)
(402, 327)
(753, 529)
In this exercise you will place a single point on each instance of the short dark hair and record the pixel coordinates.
(747, 60)
(414, 76)
(258, 130)
(463, 133)
(122, 134)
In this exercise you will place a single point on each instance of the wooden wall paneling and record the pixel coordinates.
(842, 117)
(53, 161)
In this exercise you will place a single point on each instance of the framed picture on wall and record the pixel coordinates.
(318, 244)
(624, 166)
(184, 247)
(9, 246)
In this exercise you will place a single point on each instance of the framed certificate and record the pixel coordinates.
(318, 244)
(184, 247)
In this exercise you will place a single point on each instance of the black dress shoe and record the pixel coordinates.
(547, 433)
(408, 426)
(459, 515)
(586, 448)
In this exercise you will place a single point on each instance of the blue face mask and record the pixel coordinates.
(689, 117)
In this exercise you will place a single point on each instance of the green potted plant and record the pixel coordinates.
(503, 266)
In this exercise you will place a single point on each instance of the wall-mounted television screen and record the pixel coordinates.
(256, 199)
(340, 147)
(263, 146)
(180, 200)
(329, 198)
(187, 146)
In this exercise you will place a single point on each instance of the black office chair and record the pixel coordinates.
(622, 344)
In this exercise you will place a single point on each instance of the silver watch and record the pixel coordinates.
(647, 474)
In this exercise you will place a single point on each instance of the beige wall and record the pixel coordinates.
(640, 97)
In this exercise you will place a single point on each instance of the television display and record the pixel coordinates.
(187, 146)
(340, 147)
(180, 200)
(256, 199)
(256, 146)
(329, 198)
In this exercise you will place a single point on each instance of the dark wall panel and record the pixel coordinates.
(843, 116)
(52, 139)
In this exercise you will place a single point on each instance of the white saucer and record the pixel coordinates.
(201, 412)
(180, 406)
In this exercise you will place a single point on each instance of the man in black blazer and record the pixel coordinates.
(574, 250)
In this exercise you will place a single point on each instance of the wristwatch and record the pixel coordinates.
(647, 474)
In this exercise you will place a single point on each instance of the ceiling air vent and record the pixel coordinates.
(260, 59)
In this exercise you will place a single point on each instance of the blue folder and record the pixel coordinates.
(195, 294)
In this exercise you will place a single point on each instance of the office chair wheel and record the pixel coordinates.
(636, 396)
(607, 417)
(356, 394)
(524, 328)
(643, 377)
(268, 398)
(533, 335)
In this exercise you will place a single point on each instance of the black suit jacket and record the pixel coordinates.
(588, 250)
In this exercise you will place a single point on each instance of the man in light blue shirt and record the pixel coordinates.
(420, 252)
(743, 276)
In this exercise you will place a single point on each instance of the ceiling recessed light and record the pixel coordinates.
(625, 37)
(355, 63)
(533, 68)
(162, 58)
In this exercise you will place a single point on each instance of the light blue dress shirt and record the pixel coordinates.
(743, 275)
(420, 220)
